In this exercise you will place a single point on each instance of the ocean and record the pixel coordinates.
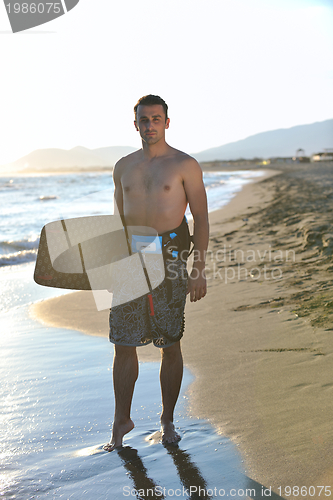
(28, 203)
(57, 402)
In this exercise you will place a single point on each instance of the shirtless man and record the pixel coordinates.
(152, 188)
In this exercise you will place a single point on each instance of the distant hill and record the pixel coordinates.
(113, 153)
(275, 143)
(78, 158)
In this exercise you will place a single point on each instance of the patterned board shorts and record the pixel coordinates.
(131, 323)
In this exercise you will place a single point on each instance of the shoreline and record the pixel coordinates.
(263, 378)
(61, 312)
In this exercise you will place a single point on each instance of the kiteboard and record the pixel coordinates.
(99, 253)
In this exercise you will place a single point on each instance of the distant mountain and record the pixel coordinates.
(283, 142)
(54, 159)
(113, 153)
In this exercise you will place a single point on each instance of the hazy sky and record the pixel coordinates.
(227, 69)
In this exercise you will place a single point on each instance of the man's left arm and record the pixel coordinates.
(197, 199)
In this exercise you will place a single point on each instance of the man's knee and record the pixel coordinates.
(124, 351)
(172, 350)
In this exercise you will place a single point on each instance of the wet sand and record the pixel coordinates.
(264, 375)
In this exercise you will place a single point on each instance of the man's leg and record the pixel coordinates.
(125, 373)
(171, 375)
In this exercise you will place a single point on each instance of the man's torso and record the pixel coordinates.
(153, 190)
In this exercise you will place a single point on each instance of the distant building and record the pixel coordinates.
(300, 153)
(326, 155)
(263, 162)
(284, 159)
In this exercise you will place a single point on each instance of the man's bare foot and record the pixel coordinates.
(118, 432)
(169, 434)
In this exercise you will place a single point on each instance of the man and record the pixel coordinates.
(152, 188)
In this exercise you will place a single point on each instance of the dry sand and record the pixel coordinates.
(261, 342)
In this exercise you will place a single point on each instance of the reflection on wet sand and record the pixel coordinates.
(188, 472)
(137, 471)
(190, 476)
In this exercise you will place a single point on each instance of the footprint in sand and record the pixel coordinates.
(91, 450)
(154, 438)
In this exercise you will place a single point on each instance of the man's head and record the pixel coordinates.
(151, 118)
(150, 100)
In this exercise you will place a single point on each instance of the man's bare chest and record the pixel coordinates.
(156, 179)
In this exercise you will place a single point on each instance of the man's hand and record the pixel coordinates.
(197, 286)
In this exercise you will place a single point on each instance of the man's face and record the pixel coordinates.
(150, 123)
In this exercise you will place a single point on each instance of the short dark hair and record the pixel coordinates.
(150, 100)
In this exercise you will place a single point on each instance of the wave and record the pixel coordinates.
(12, 259)
(18, 252)
(50, 197)
(25, 244)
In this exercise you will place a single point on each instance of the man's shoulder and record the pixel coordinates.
(190, 168)
(129, 158)
(126, 160)
(185, 159)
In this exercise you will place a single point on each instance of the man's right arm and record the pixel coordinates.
(118, 192)
(117, 197)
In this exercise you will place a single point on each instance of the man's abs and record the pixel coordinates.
(156, 212)
(153, 197)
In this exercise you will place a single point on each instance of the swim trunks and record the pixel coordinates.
(131, 323)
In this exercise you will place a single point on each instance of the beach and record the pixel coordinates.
(57, 410)
(260, 344)
(57, 405)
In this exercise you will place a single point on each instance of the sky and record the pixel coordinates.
(228, 69)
